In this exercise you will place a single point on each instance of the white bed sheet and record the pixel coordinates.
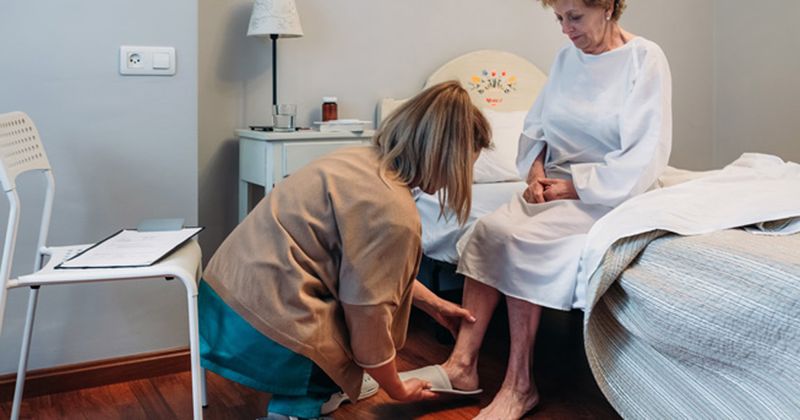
(440, 234)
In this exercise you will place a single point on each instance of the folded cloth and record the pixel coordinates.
(436, 375)
(788, 226)
(369, 387)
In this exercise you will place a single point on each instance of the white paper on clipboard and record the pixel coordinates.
(131, 248)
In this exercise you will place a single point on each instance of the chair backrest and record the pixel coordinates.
(21, 148)
(21, 151)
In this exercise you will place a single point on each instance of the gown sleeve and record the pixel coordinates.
(645, 139)
(532, 140)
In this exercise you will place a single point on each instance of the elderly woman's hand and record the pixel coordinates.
(534, 194)
(558, 189)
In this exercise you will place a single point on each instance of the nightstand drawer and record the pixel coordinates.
(297, 155)
(265, 158)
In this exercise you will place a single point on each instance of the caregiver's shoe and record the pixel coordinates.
(369, 387)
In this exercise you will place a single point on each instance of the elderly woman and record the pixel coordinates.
(599, 133)
(315, 286)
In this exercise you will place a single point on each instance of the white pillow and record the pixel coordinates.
(500, 163)
(387, 106)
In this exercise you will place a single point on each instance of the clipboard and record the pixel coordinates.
(130, 248)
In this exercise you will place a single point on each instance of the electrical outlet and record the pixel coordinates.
(146, 61)
(135, 60)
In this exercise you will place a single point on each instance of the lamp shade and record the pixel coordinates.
(275, 17)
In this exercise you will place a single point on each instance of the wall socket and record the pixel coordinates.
(146, 61)
(135, 61)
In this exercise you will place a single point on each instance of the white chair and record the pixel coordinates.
(21, 151)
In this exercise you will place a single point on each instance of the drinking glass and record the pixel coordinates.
(283, 117)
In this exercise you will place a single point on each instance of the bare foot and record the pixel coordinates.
(464, 378)
(509, 404)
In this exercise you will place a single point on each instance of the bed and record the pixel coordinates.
(686, 314)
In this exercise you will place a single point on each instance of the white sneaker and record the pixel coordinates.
(276, 416)
(369, 387)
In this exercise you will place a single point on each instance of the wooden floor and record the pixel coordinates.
(567, 388)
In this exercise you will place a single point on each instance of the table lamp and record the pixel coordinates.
(276, 19)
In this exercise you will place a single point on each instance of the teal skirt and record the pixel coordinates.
(232, 348)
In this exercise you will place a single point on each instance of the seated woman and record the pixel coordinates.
(599, 133)
(315, 286)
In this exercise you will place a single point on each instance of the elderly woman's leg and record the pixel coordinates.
(462, 366)
(518, 394)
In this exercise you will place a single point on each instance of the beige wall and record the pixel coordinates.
(122, 148)
(222, 62)
(757, 79)
(683, 30)
(364, 50)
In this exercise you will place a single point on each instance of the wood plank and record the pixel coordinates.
(153, 402)
(566, 384)
(97, 373)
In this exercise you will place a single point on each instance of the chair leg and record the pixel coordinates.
(203, 393)
(24, 352)
(194, 350)
(204, 397)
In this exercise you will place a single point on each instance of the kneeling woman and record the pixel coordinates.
(315, 286)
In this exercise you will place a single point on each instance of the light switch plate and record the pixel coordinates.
(146, 61)
(161, 60)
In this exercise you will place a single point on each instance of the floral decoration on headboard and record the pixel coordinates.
(491, 83)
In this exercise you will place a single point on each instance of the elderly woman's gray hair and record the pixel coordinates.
(616, 6)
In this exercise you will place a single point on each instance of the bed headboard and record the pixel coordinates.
(494, 79)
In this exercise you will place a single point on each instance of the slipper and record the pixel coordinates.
(440, 383)
(369, 387)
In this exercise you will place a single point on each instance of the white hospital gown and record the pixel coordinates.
(607, 123)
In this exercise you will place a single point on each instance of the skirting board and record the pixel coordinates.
(97, 373)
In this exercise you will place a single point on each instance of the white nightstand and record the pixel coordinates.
(267, 157)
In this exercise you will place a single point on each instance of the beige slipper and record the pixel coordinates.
(436, 375)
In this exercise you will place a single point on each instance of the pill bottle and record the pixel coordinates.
(329, 108)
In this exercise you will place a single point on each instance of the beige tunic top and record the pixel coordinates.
(325, 264)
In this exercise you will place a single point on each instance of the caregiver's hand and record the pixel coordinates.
(450, 315)
(415, 390)
(446, 313)
(411, 390)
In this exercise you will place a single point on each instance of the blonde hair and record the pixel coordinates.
(432, 141)
(616, 6)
